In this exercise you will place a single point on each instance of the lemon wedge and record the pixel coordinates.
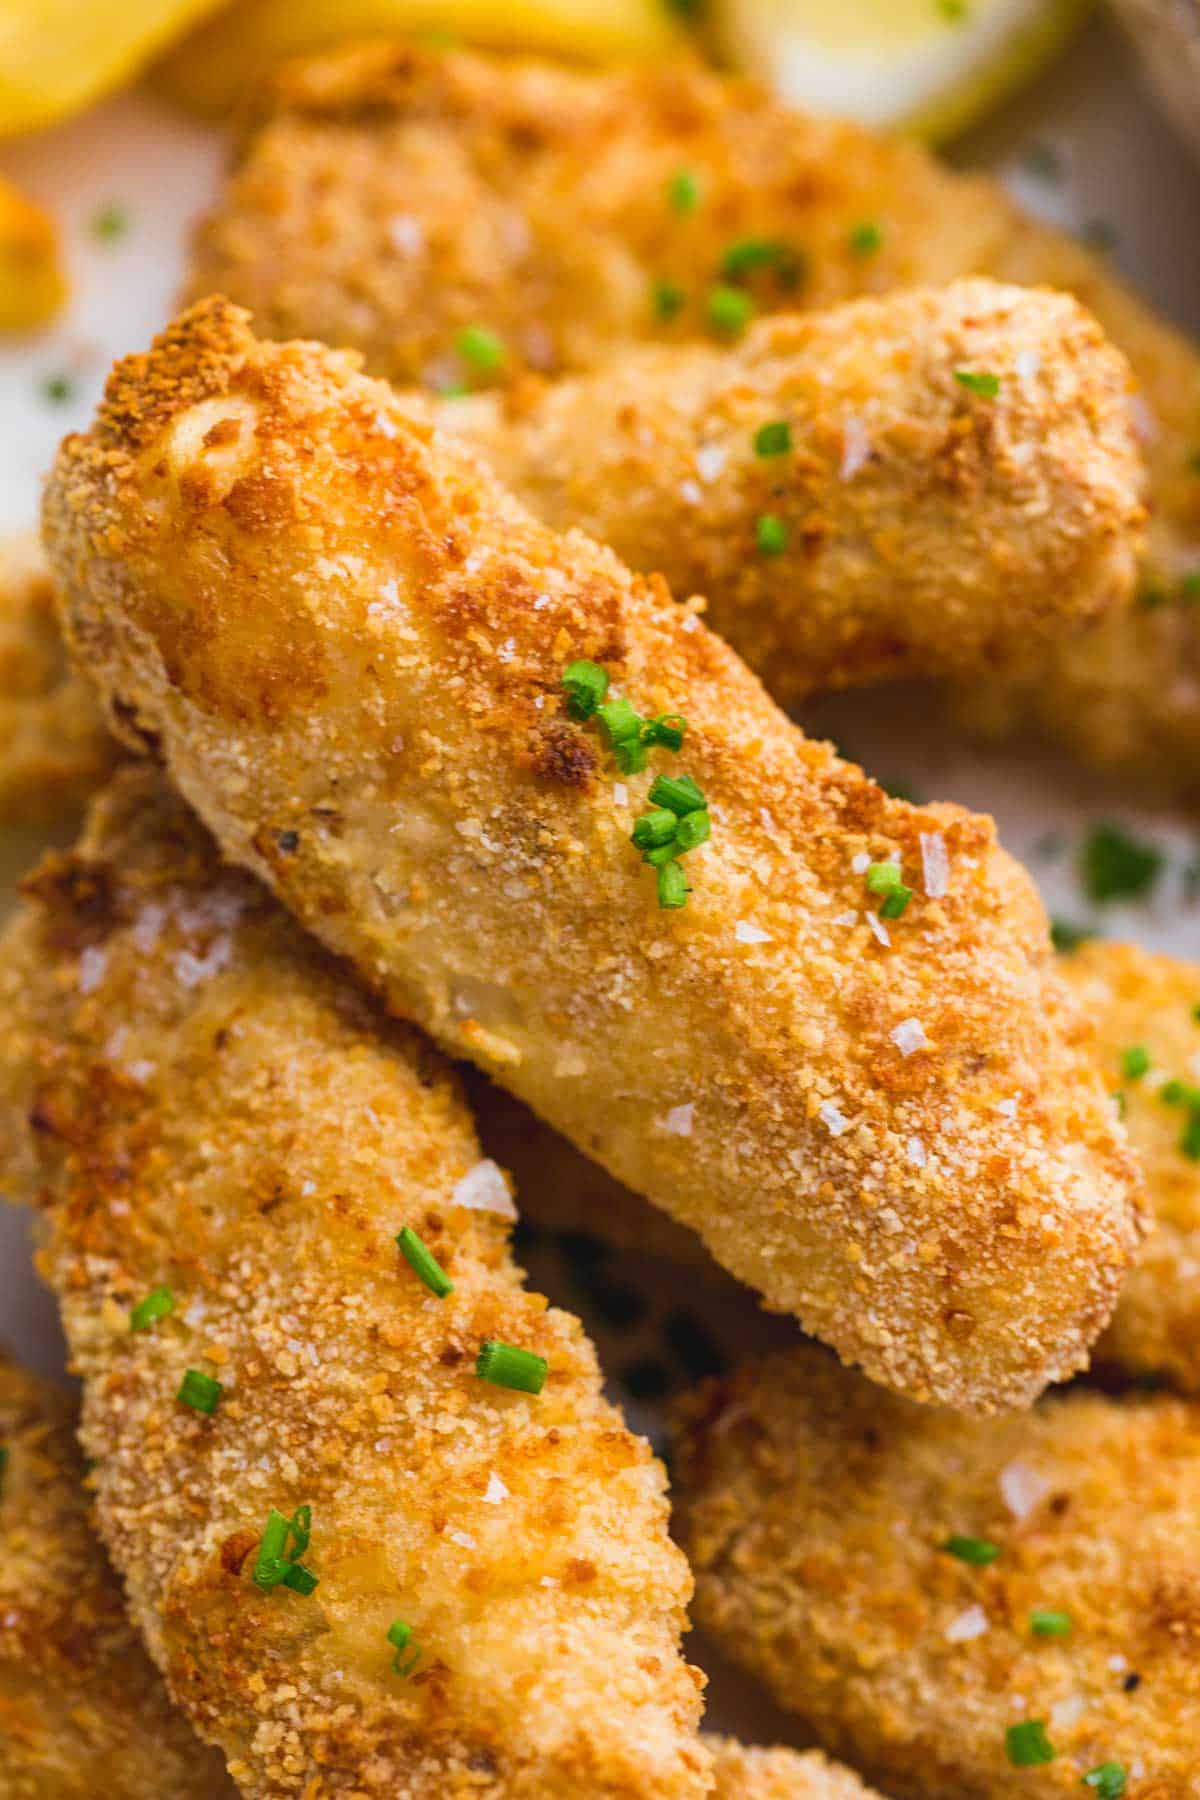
(927, 66)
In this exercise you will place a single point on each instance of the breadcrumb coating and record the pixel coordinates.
(219, 1113)
(817, 1512)
(54, 746)
(387, 197)
(77, 1691)
(928, 530)
(348, 641)
(1142, 1002)
(754, 1774)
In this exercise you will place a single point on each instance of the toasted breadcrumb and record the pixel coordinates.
(348, 643)
(753, 1774)
(817, 1513)
(54, 748)
(343, 220)
(1141, 1001)
(78, 1694)
(219, 1113)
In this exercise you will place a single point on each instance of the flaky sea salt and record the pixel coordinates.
(464, 1538)
(879, 929)
(496, 1490)
(849, 917)
(710, 461)
(1067, 1712)
(691, 492)
(860, 863)
(908, 1036)
(833, 1119)
(935, 864)
(746, 933)
(915, 1151)
(967, 1625)
(680, 1119)
(92, 964)
(484, 1189)
(1022, 1488)
(1028, 364)
(856, 447)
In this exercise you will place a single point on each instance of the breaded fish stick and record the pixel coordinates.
(1147, 1014)
(986, 1610)
(754, 1774)
(54, 746)
(348, 643)
(78, 1694)
(230, 1140)
(921, 528)
(392, 198)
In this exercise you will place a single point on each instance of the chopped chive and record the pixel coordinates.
(770, 534)
(299, 1579)
(200, 1391)
(773, 439)
(110, 224)
(1027, 1745)
(1135, 1062)
(155, 1306)
(452, 390)
(979, 1552)
(678, 793)
(955, 11)
(654, 829)
(630, 755)
(1180, 1093)
(506, 1366)
(695, 828)
(668, 729)
(424, 1263)
(750, 254)
(270, 1562)
(58, 389)
(482, 348)
(867, 238)
(618, 720)
(301, 1529)
(669, 299)
(882, 877)
(586, 685)
(1196, 1014)
(1066, 935)
(1151, 597)
(1044, 1621)
(1189, 1143)
(980, 382)
(673, 888)
(683, 191)
(895, 902)
(1189, 587)
(399, 1635)
(660, 854)
(729, 310)
(1114, 865)
(1107, 1781)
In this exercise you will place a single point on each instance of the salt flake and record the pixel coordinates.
(679, 1120)
(908, 1036)
(484, 1189)
(935, 864)
(746, 933)
(967, 1625)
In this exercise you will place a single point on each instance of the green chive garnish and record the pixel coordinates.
(654, 829)
(506, 1366)
(155, 1306)
(1135, 1062)
(1189, 1143)
(277, 1562)
(673, 888)
(58, 389)
(729, 310)
(678, 793)
(694, 828)
(399, 1635)
(586, 685)
(979, 1552)
(1107, 1781)
(299, 1579)
(110, 224)
(660, 854)
(481, 348)
(669, 299)
(630, 755)
(770, 534)
(866, 238)
(424, 1263)
(618, 720)
(199, 1391)
(1027, 1744)
(683, 191)
(895, 902)
(1044, 1621)
(980, 382)
(1114, 865)
(774, 439)
(1066, 935)
(748, 254)
(667, 729)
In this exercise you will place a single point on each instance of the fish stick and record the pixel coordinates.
(229, 1141)
(1147, 1013)
(922, 528)
(348, 642)
(55, 749)
(984, 1609)
(392, 198)
(755, 1774)
(77, 1691)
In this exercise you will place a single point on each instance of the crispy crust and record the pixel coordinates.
(1137, 998)
(814, 1508)
(54, 748)
(217, 1110)
(928, 531)
(344, 220)
(77, 1691)
(349, 641)
(754, 1774)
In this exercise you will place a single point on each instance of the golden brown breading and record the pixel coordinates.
(78, 1694)
(392, 196)
(817, 1510)
(54, 748)
(753, 1774)
(349, 641)
(1140, 1001)
(929, 530)
(218, 1112)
